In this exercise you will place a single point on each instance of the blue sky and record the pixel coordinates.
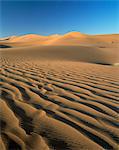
(51, 17)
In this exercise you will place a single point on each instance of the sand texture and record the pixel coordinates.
(59, 96)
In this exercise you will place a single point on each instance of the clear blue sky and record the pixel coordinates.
(50, 17)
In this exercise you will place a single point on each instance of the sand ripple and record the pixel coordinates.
(58, 105)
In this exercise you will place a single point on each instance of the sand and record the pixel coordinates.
(60, 95)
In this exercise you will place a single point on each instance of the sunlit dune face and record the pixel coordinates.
(74, 34)
(71, 38)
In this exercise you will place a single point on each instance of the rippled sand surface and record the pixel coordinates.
(50, 100)
(58, 105)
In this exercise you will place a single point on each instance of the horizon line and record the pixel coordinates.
(56, 34)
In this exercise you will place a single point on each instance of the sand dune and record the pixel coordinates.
(72, 46)
(57, 97)
(71, 38)
(69, 53)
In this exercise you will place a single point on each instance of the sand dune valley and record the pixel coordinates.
(60, 92)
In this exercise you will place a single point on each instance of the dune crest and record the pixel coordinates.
(71, 38)
(26, 38)
(74, 34)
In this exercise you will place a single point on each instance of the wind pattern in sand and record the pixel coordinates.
(58, 105)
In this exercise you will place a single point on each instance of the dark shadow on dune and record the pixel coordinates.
(87, 133)
(6, 39)
(107, 64)
(25, 121)
(5, 46)
(11, 144)
(2, 124)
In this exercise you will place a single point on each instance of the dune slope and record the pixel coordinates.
(58, 104)
(102, 49)
(57, 97)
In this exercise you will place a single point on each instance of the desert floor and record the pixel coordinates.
(56, 103)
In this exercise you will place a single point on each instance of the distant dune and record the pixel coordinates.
(58, 94)
(71, 38)
(103, 49)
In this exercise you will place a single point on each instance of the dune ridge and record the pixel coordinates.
(71, 38)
